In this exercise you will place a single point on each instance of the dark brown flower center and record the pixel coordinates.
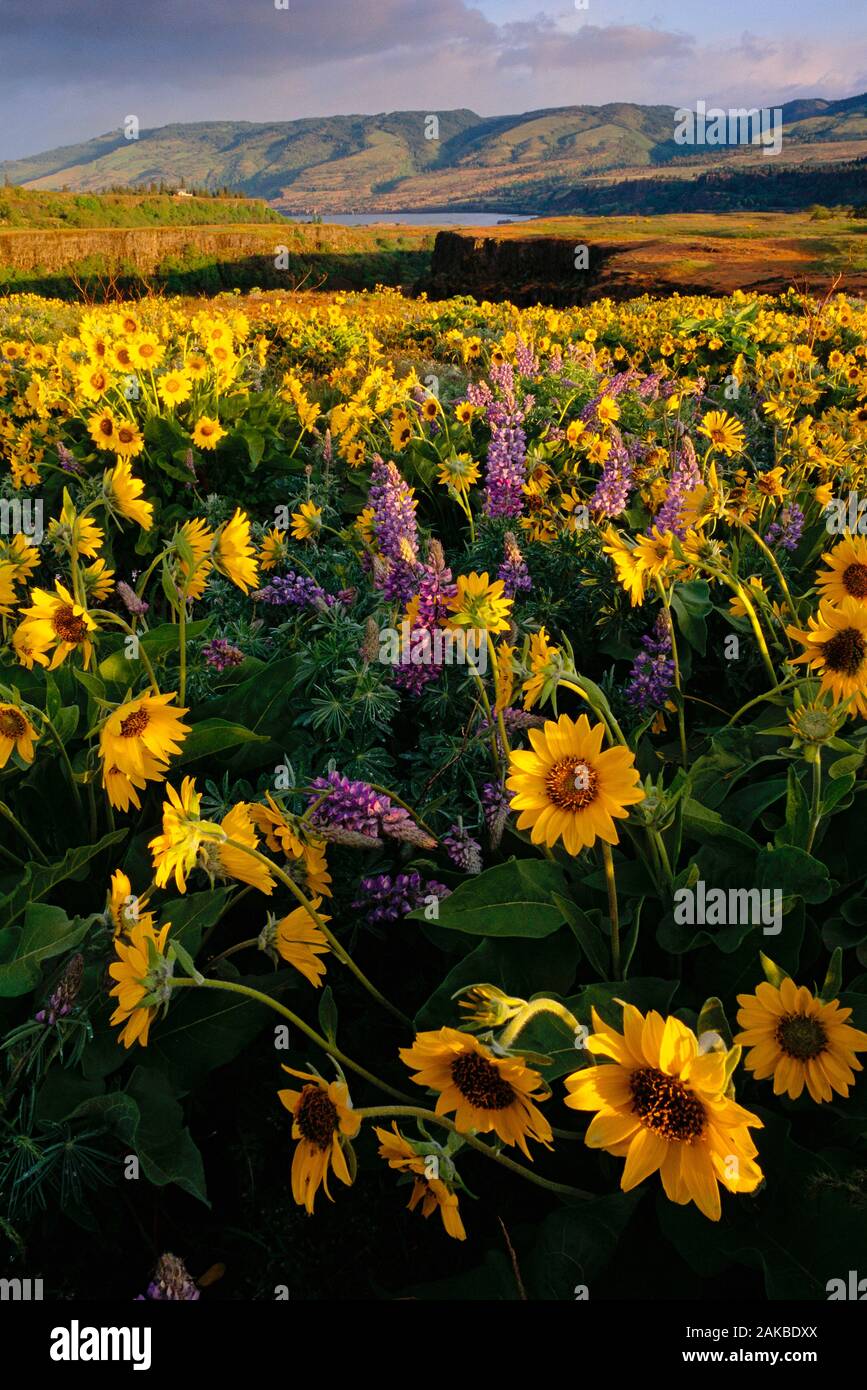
(317, 1117)
(572, 784)
(125, 434)
(800, 1036)
(855, 580)
(12, 724)
(845, 651)
(665, 1105)
(134, 724)
(69, 626)
(106, 427)
(480, 1082)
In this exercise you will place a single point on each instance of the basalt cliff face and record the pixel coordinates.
(561, 270)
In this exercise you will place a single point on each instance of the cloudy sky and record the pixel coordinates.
(72, 69)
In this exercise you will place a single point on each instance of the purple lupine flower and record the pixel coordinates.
(68, 462)
(495, 805)
(613, 489)
(65, 993)
(394, 525)
(526, 360)
(386, 899)
(506, 471)
(462, 849)
(295, 590)
(171, 1282)
(220, 654)
(615, 387)
(354, 806)
(787, 531)
(652, 674)
(132, 602)
(649, 388)
(685, 475)
(435, 589)
(513, 571)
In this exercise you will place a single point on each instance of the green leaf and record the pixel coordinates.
(513, 899)
(708, 827)
(795, 872)
(328, 1014)
(165, 1148)
(211, 736)
(692, 603)
(47, 932)
(796, 829)
(193, 914)
(587, 933)
(39, 879)
(575, 1244)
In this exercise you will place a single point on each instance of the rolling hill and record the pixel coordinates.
(537, 161)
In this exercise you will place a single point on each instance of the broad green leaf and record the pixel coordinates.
(47, 932)
(39, 879)
(513, 899)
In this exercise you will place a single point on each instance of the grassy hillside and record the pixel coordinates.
(386, 162)
(22, 207)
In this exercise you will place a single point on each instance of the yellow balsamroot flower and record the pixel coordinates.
(433, 1193)
(122, 790)
(16, 734)
(174, 388)
(725, 433)
(22, 557)
(630, 574)
(140, 970)
(770, 483)
(504, 677)
(480, 603)
(823, 494)
(175, 852)
(307, 521)
(323, 1122)
(98, 581)
(459, 471)
(124, 907)
(299, 941)
(847, 576)
(54, 622)
(544, 662)
(485, 1092)
(147, 351)
(196, 365)
(93, 382)
(568, 788)
(77, 533)
(123, 494)
(235, 863)
(663, 1106)
(207, 433)
(607, 411)
(799, 1041)
(464, 413)
(273, 551)
(142, 731)
(234, 555)
(835, 645)
(196, 536)
(128, 440)
(102, 429)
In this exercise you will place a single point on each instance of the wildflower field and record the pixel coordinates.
(432, 741)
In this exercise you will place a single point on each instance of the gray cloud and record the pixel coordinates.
(539, 44)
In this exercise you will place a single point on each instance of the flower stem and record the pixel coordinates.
(816, 800)
(342, 955)
(613, 912)
(141, 654)
(25, 834)
(529, 1012)
(415, 1112)
(232, 988)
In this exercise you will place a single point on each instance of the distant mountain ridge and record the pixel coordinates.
(388, 162)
